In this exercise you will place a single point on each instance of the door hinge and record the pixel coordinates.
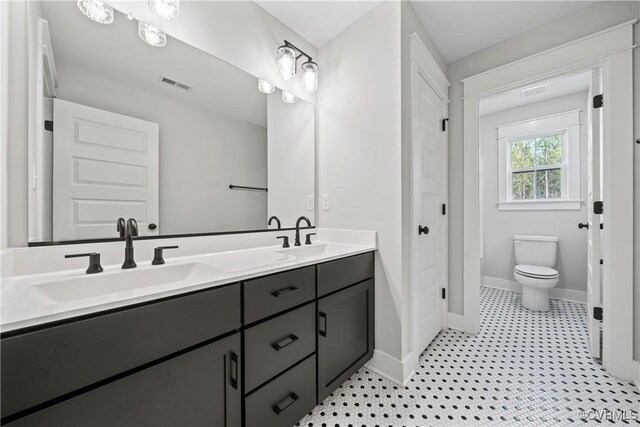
(601, 261)
(597, 101)
(597, 313)
(444, 209)
(48, 125)
(444, 293)
(601, 226)
(444, 124)
(598, 208)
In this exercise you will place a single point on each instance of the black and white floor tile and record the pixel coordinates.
(523, 368)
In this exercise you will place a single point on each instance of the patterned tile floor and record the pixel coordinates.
(523, 368)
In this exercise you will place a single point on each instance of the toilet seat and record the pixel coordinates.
(536, 272)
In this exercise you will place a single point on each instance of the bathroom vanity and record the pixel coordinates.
(257, 352)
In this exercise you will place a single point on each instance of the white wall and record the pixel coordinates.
(591, 19)
(240, 33)
(359, 151)
(201, 153)
(500, 225)
(291, 159)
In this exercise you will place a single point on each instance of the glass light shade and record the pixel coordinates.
(310, 76)
(96, 10)
(288, 97)
(286, 62)
(167, 9)
(265, 87)
(151, 35)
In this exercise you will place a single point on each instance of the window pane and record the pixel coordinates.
(549, 184)
(522, 153)
(549, 150)
(522, 185)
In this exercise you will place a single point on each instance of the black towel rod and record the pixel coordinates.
(242, 187)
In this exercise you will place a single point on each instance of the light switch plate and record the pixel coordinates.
(310, 202)
(326, 202)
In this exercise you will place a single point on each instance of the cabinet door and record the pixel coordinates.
(197, 388)
(345, 335)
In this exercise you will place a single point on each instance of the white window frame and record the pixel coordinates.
(567, 123)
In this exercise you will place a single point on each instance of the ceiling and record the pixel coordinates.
(548, 89)
(458, 28)
(116, 52)
(315, 20)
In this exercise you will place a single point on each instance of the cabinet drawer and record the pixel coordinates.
(275, 345)
(198, 388)
(40, 365)
(269, 295)
(285, 400)
(338, 274)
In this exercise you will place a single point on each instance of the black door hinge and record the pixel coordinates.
(597, 313)
(48, 125)
(598, 208)
(444, 124)
(444, 293)
(444, 209)
(601, 261)
(601, 226)
(597, 101)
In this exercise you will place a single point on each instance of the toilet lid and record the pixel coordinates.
(536, 272)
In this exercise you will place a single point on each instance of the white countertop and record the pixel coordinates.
(30, 300)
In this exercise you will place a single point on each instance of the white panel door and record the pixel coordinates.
(428, 240)
(594, 177)
(105, 166)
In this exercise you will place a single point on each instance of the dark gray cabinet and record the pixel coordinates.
(197, 388)
(345, 335)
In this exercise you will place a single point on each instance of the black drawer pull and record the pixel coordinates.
(234, 370)
(322, 324)
(279, 408)
(284, 342)
(284, 291)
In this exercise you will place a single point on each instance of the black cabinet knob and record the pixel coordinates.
(152, 226)
(423, 229)
(581, 226)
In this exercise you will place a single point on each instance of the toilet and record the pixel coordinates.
(535, 259)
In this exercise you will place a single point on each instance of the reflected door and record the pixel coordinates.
(429, 250)
(105, 166)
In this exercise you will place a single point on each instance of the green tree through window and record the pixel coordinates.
(536, 164)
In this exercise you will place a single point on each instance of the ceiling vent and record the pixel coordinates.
(535, 90)
(174, 83)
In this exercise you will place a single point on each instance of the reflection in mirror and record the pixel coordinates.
(168, 136)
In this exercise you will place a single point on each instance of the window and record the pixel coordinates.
(540, 163)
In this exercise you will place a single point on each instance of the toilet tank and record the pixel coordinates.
(536, 250)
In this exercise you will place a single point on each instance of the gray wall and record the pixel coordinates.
(500, 226)
(591, 19)
(201, 153)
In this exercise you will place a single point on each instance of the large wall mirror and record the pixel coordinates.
(167, 135)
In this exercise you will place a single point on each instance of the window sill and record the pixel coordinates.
(539, 205)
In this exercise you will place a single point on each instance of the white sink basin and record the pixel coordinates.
(90, 286)
(307, 251)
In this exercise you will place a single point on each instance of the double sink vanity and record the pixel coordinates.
(255, 336)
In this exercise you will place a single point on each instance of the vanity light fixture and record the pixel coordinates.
(151, 35)
(288, 56)
(265, 87)
(288, 97)
(96, 10)
(167, 9)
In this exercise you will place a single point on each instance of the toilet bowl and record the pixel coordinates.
(535, 259)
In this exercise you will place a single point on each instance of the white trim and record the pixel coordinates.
(555, 293)
(610, 50)
(4, 123)
(395, 370)
(456, 321)
(536, 205)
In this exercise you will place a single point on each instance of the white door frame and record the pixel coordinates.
(611, 50)
(424, 66)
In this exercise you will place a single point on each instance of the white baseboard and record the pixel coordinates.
(556, 293)
(391, 368)
(456, 321)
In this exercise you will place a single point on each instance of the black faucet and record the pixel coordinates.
(302, 218)
(121, 226)
(277, 221)
(131, 231)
